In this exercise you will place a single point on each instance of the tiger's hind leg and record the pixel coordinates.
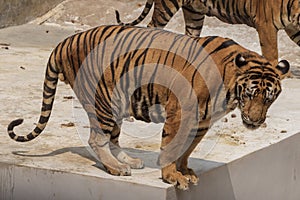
(193, 21)
(134, 163)
(99, 141)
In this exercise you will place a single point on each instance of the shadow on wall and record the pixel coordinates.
(16, 12)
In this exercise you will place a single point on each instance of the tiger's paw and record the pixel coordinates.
(135, 163)
(118, 170)
(177, 179)
(190, 175)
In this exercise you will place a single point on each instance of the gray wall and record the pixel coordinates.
(15, 12)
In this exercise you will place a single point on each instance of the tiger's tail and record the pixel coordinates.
(142, 16)
(50, 83)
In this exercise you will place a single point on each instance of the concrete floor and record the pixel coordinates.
(233, 162)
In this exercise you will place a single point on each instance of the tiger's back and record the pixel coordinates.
(146, 57)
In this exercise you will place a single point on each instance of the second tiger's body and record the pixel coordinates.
(266, 16)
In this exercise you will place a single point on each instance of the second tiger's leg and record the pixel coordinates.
(193, 21)
(294, 33)
(122, 156)
(268, 42)
(163, 12)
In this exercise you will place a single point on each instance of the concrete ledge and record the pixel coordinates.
(270, 173)
(20, 182)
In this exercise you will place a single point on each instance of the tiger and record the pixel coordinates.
(266, 16)
(157, 76)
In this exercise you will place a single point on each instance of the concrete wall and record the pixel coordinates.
(15, 12)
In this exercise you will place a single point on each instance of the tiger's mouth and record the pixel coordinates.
(248, 123)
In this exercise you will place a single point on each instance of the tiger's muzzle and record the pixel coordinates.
(251, 124)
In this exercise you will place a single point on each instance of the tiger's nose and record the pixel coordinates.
(250, 123)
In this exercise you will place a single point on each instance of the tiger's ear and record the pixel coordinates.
(283, 68)
(240, 61)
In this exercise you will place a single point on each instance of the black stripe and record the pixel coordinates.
(191, 10)
(107, 121)
(46, 107)
(289, 9)
(69, 56)
(175, 3)
(50, 78)
(295, 35)
(158, 23)
(151, 81)
(43, 119)
(228, 95)
(166, 8)
(206, 108)
(137, 79)
(114, 136)
(30, 136)
(12, 135)
(163, 16)
(48, 89)
(101, 103)
(281, 13)
(218, 93)
(203, 45)
(102, 109)
(37, 130)
(230, 55)
(224, 45)
(194, 27)
(21, 139)
(164, 134)
(14, 123)
(78, 49)
(148, 5)
(208, 40)
(125, 73)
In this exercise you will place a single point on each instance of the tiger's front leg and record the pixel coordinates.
(176, 146)
(177, 172)
(182, 163)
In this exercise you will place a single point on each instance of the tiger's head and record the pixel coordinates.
(257, 87)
